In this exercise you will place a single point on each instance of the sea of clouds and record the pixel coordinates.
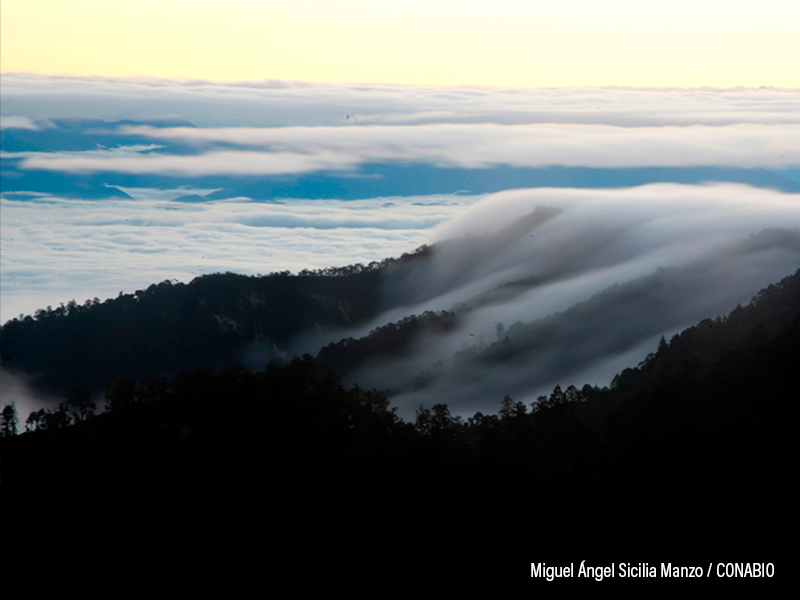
(56, 248)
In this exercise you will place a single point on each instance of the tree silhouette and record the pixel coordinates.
(36, 420)
(81, 403)
(8, 420)
(120, 393)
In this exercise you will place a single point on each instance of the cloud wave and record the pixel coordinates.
(599, 282)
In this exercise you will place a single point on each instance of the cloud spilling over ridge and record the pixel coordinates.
(588, 288)
(292, 150)
(281, 103)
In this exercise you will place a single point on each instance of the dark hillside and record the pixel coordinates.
(690, 463)
(169, 327)
(770, 312)
(174, 326)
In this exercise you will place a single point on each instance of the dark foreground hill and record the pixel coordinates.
(687, 459)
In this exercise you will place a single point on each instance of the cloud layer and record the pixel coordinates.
(54, 250)
(679, 253)
(290, 103)
(292, 150)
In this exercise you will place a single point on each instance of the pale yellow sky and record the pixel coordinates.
(498, 42)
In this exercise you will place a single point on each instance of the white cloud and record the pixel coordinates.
(291, 150)
(18, 122)
(211, 163)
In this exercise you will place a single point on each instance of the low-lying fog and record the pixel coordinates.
(608, 272)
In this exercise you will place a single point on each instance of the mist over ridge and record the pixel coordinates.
(589, 279)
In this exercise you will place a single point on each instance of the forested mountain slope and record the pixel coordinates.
(170, 326)
(694, 439)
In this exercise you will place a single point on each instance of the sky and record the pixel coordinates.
(153, 140)
(517, 43)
